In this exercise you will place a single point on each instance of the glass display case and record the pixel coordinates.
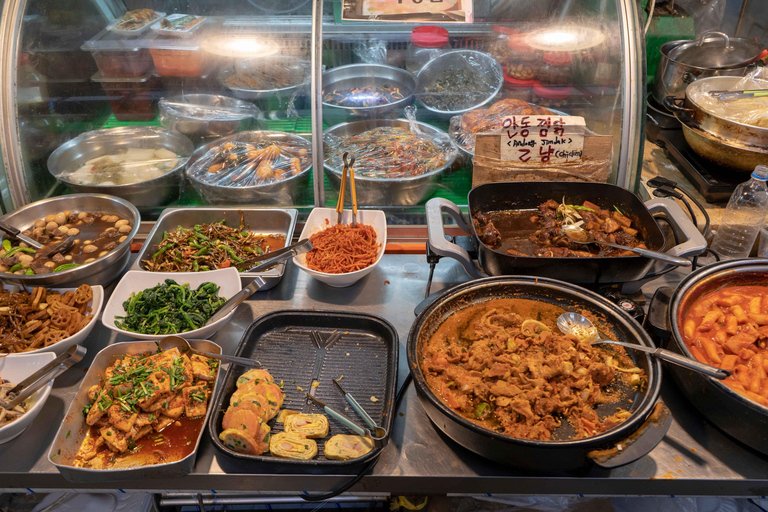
(197, 102)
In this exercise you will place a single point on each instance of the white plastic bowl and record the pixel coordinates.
(15, 368)
(317, 222)
(135, 281)
(79, 337)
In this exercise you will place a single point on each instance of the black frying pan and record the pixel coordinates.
(529, 195)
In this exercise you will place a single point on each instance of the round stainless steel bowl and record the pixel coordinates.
(103, 270)
(146, 194)
(481, 64)
(389, 191)
(362, 75)
(279, 193)
(204, 117)
(296, 68)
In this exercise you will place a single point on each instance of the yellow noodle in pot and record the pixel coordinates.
(310, 425)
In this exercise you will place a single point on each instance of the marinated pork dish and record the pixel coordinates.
(148, 409)
(503, 365)
(540, 233)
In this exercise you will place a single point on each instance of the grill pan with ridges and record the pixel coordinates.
(363, 348)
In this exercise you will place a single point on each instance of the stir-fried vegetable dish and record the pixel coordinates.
(368, 96)
(504, 365)
(209, 247)
(387, 153)
(170, 308)
(39, 318)
(147, 409)
(540, 232)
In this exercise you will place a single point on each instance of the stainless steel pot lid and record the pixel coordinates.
(715, 50)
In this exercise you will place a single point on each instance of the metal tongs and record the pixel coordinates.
(379, 436)
(349, 161)
(40, 378)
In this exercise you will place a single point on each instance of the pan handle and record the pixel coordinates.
(693, 242)
(437, 241)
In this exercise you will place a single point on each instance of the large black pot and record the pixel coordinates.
(733, 413)
(539, 455)
(529, 195)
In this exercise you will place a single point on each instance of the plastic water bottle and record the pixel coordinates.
(743, 217)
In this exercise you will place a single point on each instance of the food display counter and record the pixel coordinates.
(694, 458)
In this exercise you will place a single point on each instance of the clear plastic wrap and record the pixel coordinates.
(124, 167)
(391, 152)
(459, 80)
(750, 110)
(252, 160)
(373, 51)
(594, 166)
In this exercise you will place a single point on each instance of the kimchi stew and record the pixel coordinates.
(147, 409)
(503, 365)
(728, 328)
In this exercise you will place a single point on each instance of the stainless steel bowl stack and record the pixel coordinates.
(293, 67)
(389, 191)
(146, 194)
(279, 193)
(205, 117)
(103, 270)
(482, 65)
(362, 75)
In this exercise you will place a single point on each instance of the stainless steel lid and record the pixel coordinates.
(715, 50)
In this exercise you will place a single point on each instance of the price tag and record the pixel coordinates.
(542, 139)
(409, 11)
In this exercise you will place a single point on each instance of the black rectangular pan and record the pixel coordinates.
(360, 349)
(529, 195)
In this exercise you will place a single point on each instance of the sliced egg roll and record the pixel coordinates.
(310, 425)
(345, 447)
(243, 418)
(284, 413)
(241, 441)
(254, 402)
(273, 396)
(256, 376)
(291, 445)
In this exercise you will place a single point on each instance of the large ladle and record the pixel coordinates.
(582, 236)
(580, 326)
(171, 342)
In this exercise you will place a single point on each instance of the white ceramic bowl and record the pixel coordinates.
(15, 368)
(317, 222)
(135, 281)
(79, 338)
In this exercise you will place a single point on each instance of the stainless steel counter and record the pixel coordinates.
(694, 459)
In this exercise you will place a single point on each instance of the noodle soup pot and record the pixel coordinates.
(529, 195)
(736, 415)
(638, 435)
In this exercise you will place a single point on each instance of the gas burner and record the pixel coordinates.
(714, 183)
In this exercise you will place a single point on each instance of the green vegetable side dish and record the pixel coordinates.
(170, 308)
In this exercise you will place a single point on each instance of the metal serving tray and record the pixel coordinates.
(262, 221)
(365, 354)
(71, 433)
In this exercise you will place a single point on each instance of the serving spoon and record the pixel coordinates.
(582, 236)
(582, 328)
(171, 342)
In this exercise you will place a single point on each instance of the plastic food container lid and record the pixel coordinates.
(558, 58)
(515, 83)
(109, 41)
(131, 80)
(429, 37)
(552, 93)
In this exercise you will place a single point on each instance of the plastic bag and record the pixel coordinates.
(391, 152)
(706, 14)
(252, 159)
(373, 51)
(749, 110)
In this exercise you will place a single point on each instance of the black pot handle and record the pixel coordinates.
(637, 445)
(657, 319)
(675, 104)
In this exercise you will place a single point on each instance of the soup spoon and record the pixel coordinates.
(582, 236)
(171, 342)
(582, 328)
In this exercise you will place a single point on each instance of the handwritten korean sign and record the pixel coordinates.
(542, 139)
(409, 11)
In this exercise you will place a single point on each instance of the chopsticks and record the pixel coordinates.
(349, 161)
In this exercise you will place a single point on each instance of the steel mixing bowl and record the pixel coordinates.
(103, 270)
(279, 193)
(389, 191)
(362, 75)
(297, 69)
(73, 154)
(480, 64)
(204, 117)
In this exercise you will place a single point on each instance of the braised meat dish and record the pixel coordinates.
(539, 232)
(503, 365)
